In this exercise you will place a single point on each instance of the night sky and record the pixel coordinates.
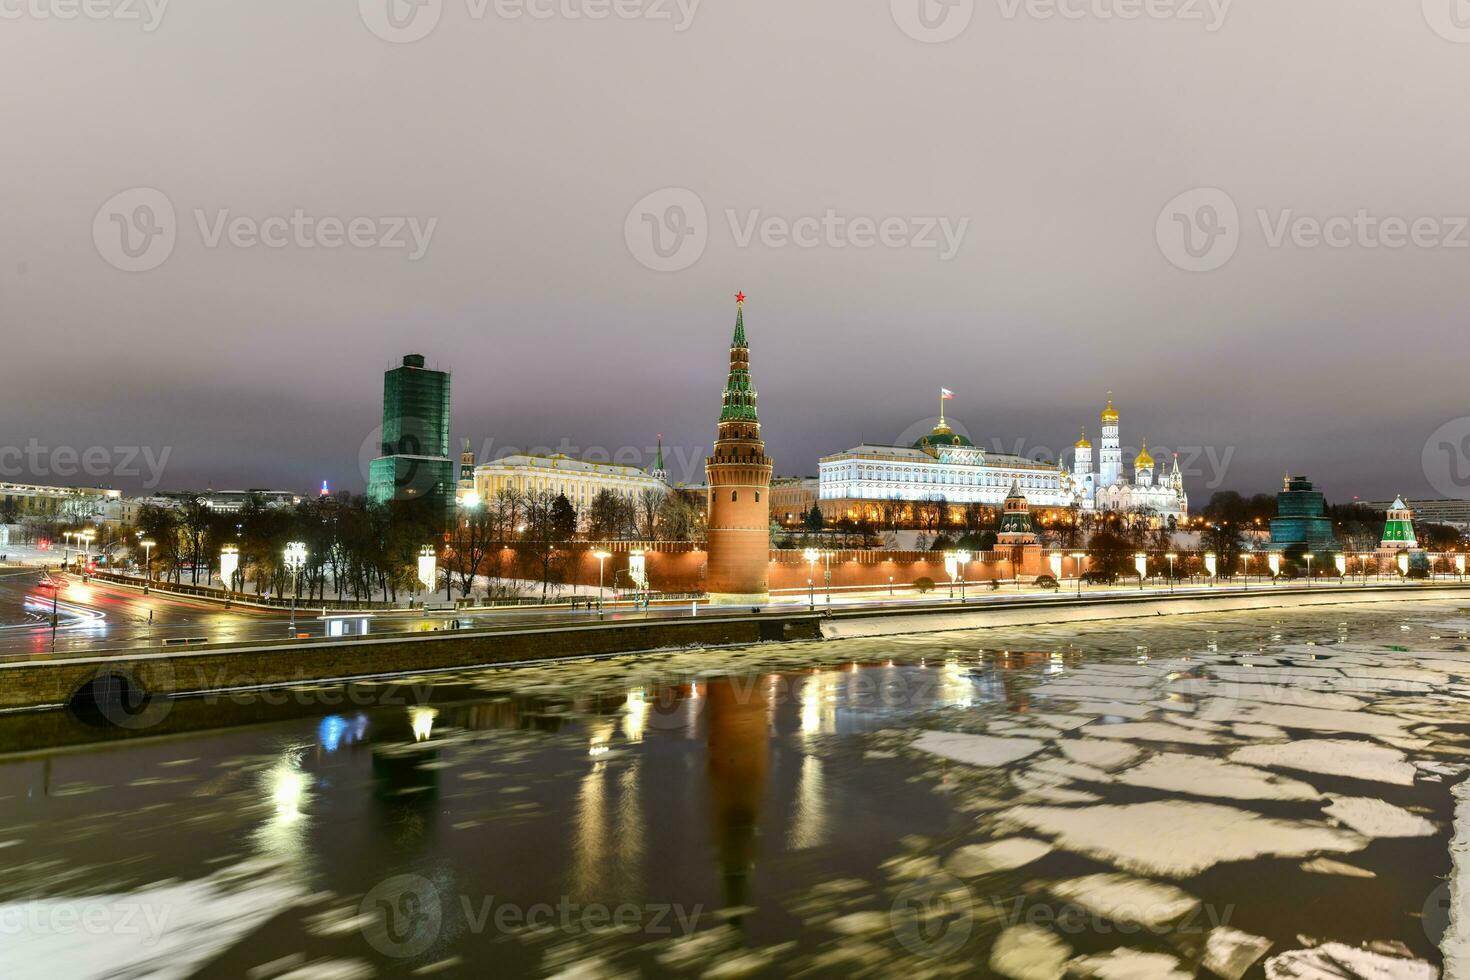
(528, 142)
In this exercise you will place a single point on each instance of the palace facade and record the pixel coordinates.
(864, 481)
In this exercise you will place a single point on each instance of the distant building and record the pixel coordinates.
(792, 498)
(466, 485)
(415, 464)
(1301, 522)
(1015, 522)
(1443, 511)
(61, 503)
(233, 501)
(579, 480)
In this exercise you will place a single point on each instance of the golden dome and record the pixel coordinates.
(1110, 414)
(1083, 443)
(1143, 461)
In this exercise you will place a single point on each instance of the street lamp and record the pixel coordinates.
(963, 557)
(295, 561)
(1309, 556)
(428, 568)
(1210, 567)
(229, 563)
(66, 549)
(1245, 559)
(1404, 564)
(601, 557)
(147, 544)
(1140, 562)
(1460, 566)
(1172, 557)
(810, 555)
(1077, 556)
(85, 539)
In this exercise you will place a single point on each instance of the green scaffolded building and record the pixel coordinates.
(415, 465)
(1301, 523)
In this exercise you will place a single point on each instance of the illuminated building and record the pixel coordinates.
(415, 464)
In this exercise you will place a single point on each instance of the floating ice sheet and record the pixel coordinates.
(977, 750)
(1333, 757)
(1205, 776)
(1179, 838)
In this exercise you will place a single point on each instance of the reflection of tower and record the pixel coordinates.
(738, 748)
(739, 475)
(1109, 454)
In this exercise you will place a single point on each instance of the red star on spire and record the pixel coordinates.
(740, 298)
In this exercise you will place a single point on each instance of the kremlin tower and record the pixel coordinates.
(739, 476)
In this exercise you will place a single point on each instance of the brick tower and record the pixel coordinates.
(739, 475)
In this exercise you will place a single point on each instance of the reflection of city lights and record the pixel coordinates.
(636, 715)
(330, 732)
(599, 748)
(287, 785)
(421, 718)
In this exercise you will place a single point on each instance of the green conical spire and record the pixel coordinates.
(739, 399)
(658, 462)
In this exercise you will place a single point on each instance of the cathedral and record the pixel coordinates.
(1108, 489)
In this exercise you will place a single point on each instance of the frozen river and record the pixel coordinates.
(1262, 794)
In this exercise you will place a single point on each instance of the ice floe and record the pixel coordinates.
(1375, 818)
(977, 750)
(1333, 757)
(1312, 719)
(975, 860)
(1205, 776)
(1028, 952)
(1103, 755)
(1125, 900)
(1178, 838)
(1333, 960)
(1229, 953)
(1128, 964)
(1327, 866)
(1456, 943)
(1152, 731)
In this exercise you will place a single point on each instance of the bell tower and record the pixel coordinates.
(739, 476)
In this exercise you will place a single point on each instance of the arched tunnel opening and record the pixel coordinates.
(116, 699)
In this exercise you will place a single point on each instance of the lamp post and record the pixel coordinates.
(66, 549)
(1077, 557)
(890, 586)
(827, 576)
(147, 544)
(1309, 556)
(1211, 566)
(963, 557)
(85, 539)
(295, 561)
(1140, 562)
(810, 555)
(1403, 563)
(601, 557)
(428, 568)
(1172, 558)
(229, 561)
(1245, 559)
(1460, 566)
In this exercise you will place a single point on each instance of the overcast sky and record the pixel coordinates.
(1000, 224)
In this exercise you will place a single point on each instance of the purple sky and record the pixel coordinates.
(529, 143)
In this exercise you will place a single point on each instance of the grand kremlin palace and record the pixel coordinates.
(863, 481)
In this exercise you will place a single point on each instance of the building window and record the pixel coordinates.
(734, 495)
